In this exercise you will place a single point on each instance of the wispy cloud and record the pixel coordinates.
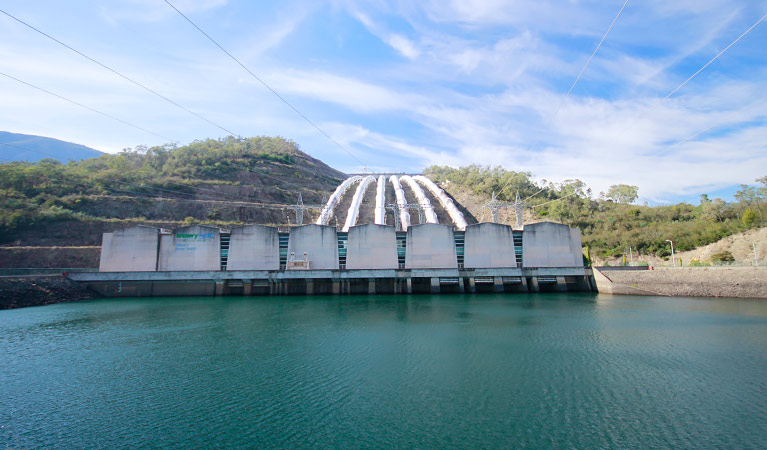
(153, 10)
(398, 42)
(346, 91)
(408, 84)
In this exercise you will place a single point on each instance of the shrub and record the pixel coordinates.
(723, 256)
(695, 262)
(749, 217)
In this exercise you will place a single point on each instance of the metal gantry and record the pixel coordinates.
(396, 208)
(519, 209)
(300, 207)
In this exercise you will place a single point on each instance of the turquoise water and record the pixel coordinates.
(475, 371)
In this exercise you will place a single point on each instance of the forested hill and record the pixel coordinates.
(234, 181)
(610, 222)
(25, 147)
(224, 181)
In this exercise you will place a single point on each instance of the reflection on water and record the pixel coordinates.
(474, 371)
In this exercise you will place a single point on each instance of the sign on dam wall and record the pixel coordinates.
(196, 247)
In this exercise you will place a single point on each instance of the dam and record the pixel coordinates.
(406, 255)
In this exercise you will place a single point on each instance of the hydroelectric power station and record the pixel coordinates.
(407, 255)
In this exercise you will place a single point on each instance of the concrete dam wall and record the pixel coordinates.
(371, 258)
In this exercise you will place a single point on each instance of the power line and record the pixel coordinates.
(644, 114)
(119, 74)
(555, 200)
(86, 107)
(715, 57)
(265, 84)
(578, 78)
(528, 198)
(758, 101)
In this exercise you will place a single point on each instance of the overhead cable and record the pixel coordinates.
(578, 78)
(87, 107)
(265, 84)
(125, 77)
(715, 57)
(555, 200)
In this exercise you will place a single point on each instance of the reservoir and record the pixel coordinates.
(496, 371)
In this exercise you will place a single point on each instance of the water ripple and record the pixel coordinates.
(480, 371)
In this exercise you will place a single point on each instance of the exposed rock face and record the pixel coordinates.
(38, 290)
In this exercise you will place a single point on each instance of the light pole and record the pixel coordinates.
(673, 262)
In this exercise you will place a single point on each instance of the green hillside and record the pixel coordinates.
(611, 223)
(221, 181)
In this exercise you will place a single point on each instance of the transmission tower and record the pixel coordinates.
(395, 208)
(519, 208)
(300, 207)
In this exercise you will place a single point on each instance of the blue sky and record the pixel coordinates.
(405, 84)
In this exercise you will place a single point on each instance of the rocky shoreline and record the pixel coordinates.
(38, 290)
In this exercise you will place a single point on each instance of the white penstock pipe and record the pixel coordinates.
(380, 217)
(327, 211)
(354, 209)
(404, 215)
(428, 210)
(446, 201)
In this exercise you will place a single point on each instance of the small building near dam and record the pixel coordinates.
(319, 259)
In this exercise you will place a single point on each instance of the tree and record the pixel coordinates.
(753, 198)
(623, 193)
(715, 210)
(762, 190)
(749, 217)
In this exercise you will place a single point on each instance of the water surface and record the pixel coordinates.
(560, 371)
